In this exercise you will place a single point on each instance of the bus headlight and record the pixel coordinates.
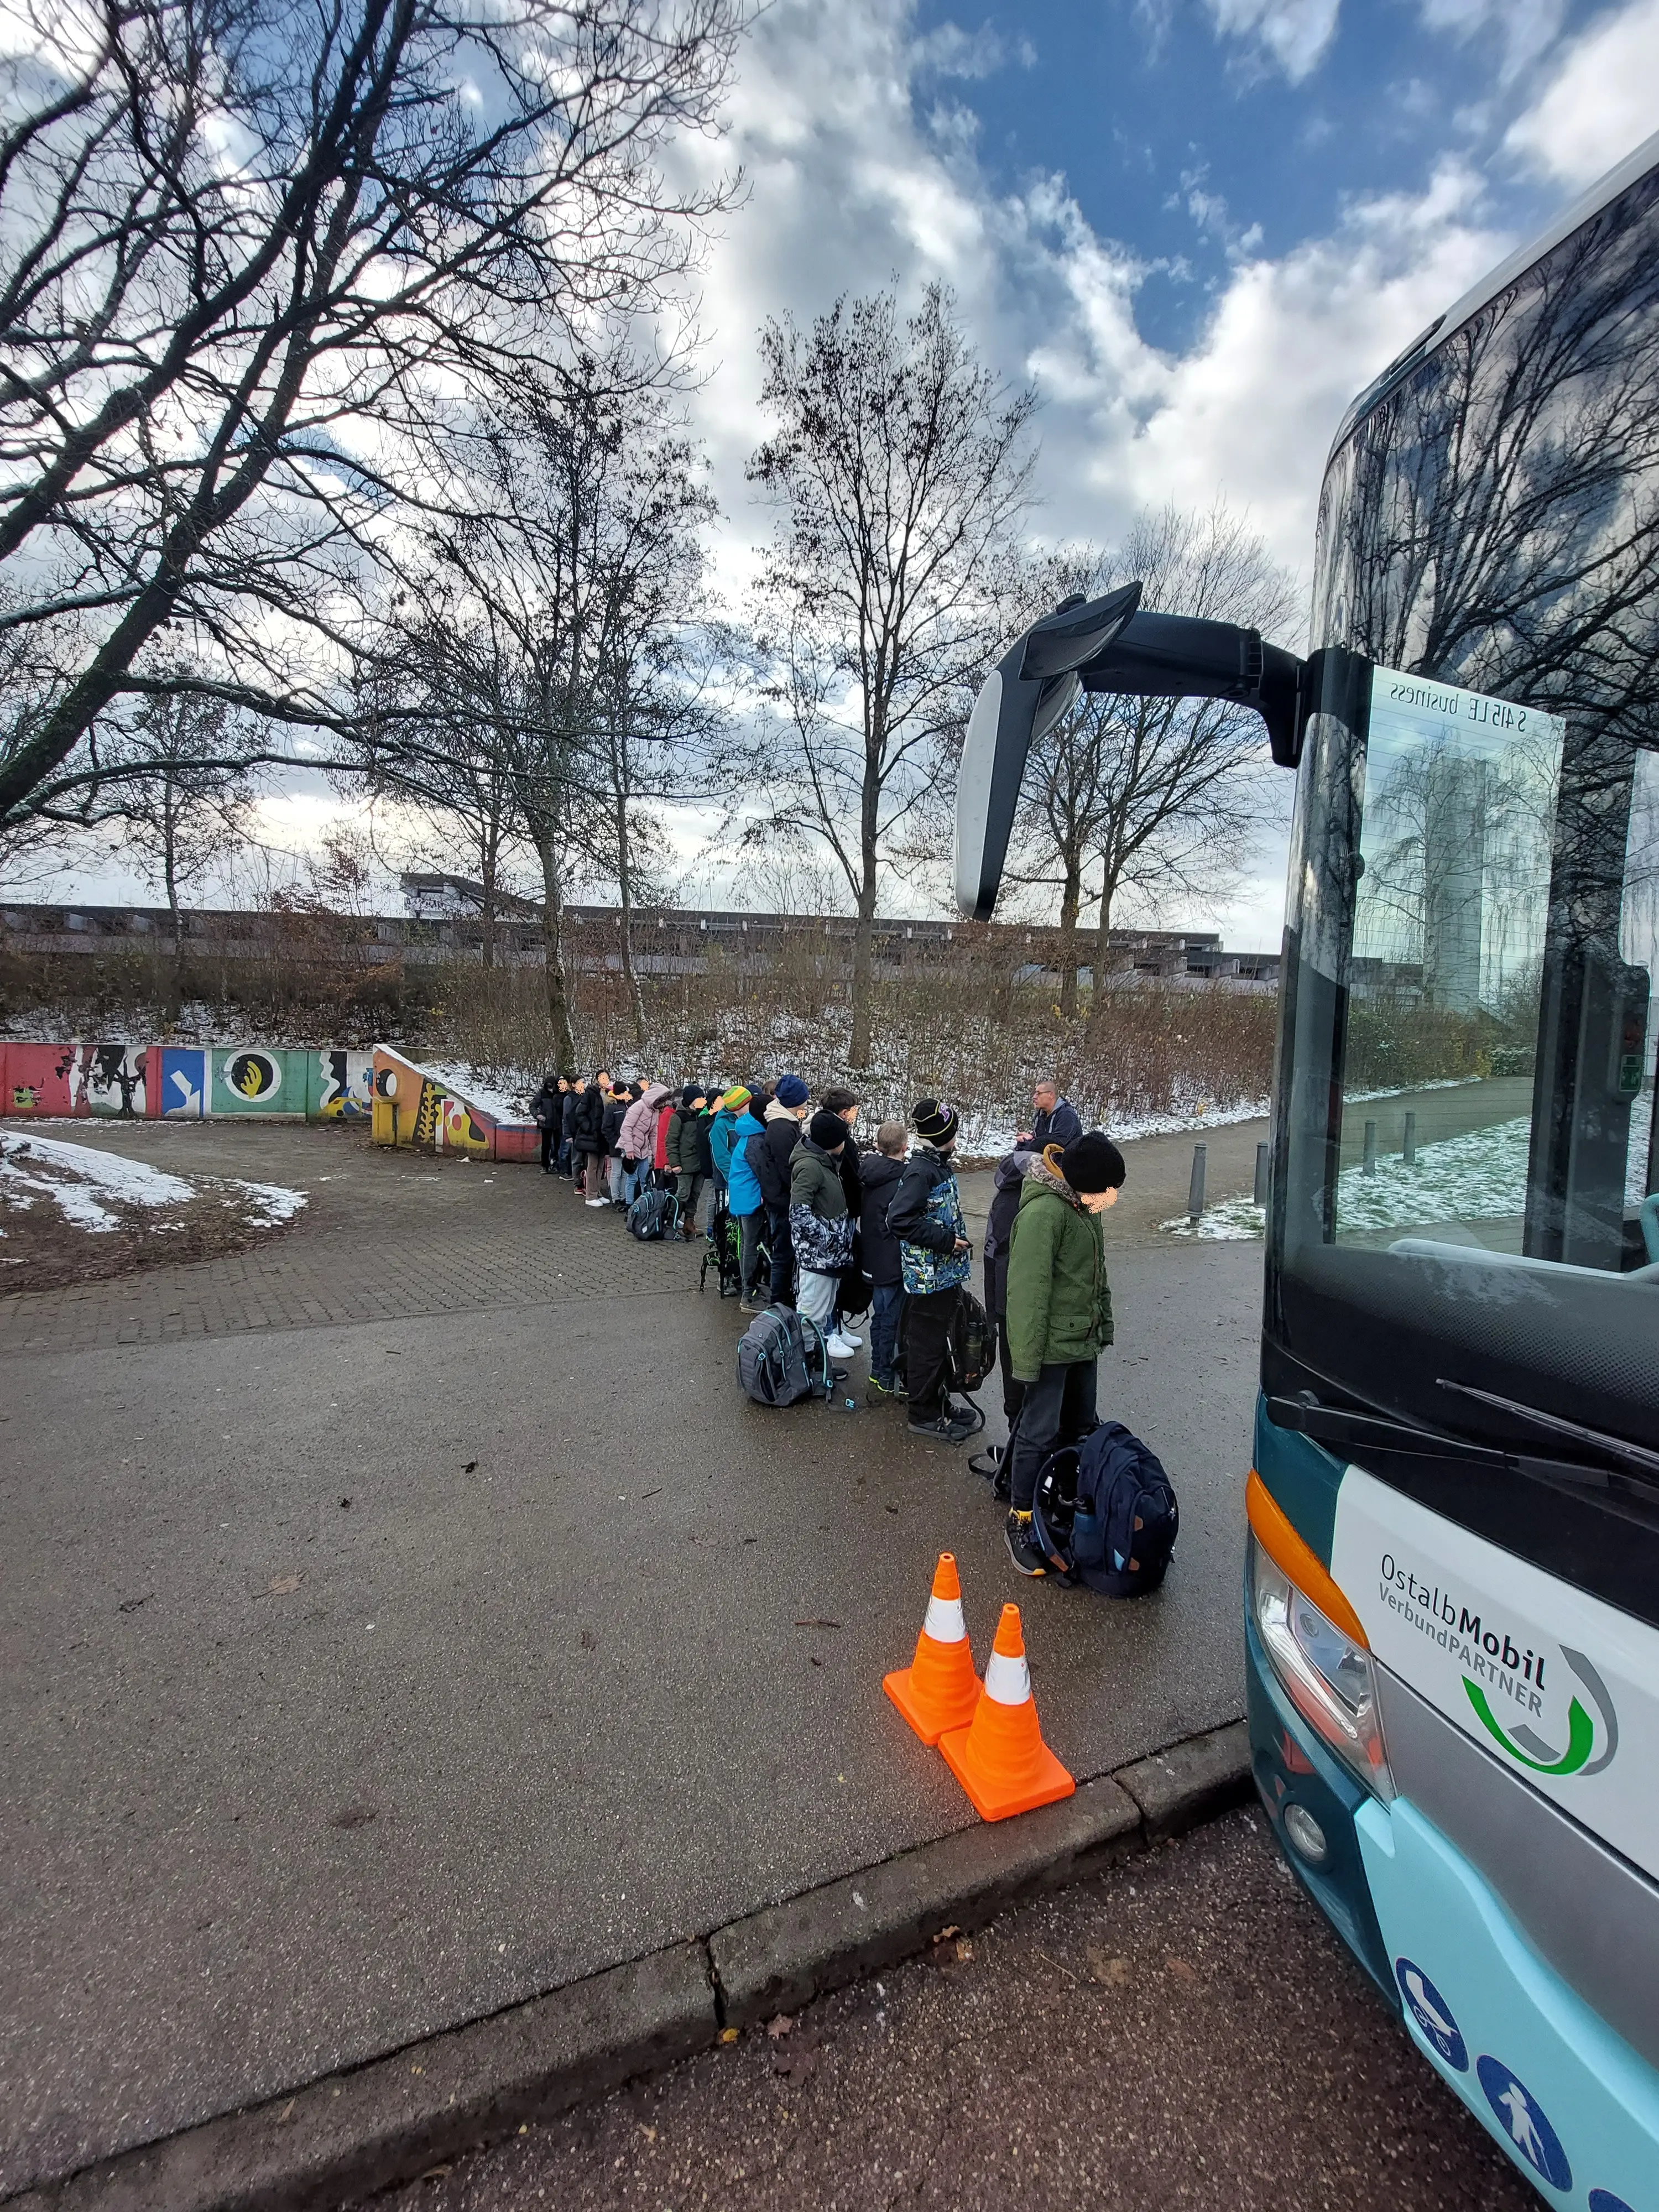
(1327, 1676)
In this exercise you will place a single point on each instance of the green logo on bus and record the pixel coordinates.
(1528, 1749)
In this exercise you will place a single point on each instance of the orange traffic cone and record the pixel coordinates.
(999, 1758)
(939, 1689)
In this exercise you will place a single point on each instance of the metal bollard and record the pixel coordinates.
(1260, 1193)
(1410, 1141)
(1196, 1188)
(1368, 1165)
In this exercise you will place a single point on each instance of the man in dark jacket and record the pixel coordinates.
(770, 1158)
(1055, 1122)
(688, 1154)
(1059, 1317)
(879, 1175)
(587, 1135)
(547, 1112)
(935, 1257)
(567, 1116)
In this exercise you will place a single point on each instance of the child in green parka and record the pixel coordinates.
(1059, 1315)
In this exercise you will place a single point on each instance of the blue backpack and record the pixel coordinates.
(1105, 1513)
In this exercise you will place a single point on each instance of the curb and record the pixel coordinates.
(350, 2133)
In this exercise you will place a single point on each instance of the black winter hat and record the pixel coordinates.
(827, 1130)
(692, 1093)
(1093, 1163)
(937, 1123)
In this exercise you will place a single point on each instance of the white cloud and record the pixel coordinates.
(949, 50)
(1602, 99)
(1526, 27)
(1293, 34)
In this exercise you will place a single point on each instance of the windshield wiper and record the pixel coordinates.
(1358, 1431)
(1338, 1425)
(1635, 1458)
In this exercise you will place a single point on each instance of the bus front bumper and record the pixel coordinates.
(1575, 2107)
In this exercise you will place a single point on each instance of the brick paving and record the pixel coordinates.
(384, 1236)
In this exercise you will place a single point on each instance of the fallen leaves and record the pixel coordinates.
(285, 1585)
(1113, 1973)
(132, 1604)
(470, 1468)
(1182, 1971)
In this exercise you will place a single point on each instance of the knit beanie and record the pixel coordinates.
(791, 1092)
(736, 1097)
(827, 1131)
(937, 1123)
(1093, 1163)
(693, 1094)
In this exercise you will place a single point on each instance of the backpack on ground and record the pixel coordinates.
(1105, 1513)
(781, 1358)
(653, 1214)
(724, 1251)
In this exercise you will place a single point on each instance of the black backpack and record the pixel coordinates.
(725, 1250)
(653, 1214)
(781, 1358)
(973, 1342)
(1102, 1503)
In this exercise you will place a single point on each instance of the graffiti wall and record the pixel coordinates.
(413, 1108)
(404, 1104)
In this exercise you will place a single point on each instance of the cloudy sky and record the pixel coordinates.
(1199, 226)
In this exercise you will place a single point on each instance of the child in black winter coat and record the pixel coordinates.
(879, 1175)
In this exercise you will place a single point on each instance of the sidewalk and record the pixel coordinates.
(589, 1665)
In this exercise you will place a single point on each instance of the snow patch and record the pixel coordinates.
(1233, 1221)
(484, 1091)
(131, 1181)
(267, 1203)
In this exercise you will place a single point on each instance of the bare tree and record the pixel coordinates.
(248, 255)
(177, 804)
(902, 466)
(555, 622)
(1154, 796)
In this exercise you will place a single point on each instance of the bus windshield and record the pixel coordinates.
(1465, 1229)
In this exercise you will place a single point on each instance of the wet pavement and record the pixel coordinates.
(412, 1615)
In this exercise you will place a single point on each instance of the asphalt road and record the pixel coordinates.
(1185, 2031)
(589, 1661)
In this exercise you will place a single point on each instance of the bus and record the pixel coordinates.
(1451, 1591)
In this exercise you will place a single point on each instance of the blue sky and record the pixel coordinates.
(1193, 133)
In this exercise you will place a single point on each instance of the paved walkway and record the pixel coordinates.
(411, 1615)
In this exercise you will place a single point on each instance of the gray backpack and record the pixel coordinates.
(781, 1358)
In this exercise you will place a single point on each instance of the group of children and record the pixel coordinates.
(818, 1221)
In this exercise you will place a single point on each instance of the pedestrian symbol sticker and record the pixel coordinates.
(1432, 2013)
(1530, 2134)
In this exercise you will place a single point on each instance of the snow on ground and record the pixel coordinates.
(1232, 1222)
(989, 1138)
(1478, 1177)
(267, 1203)
(84, 1182)
(487, 1092)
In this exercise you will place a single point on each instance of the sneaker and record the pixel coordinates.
(942, 1430)
(849, 1336)
(877, 1393)
(596, 1202)
(840, 1348)
(986, 1462)
(1020, 1535)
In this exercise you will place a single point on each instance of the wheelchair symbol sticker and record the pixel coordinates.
(1521, 2118)
(1432, 2013)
